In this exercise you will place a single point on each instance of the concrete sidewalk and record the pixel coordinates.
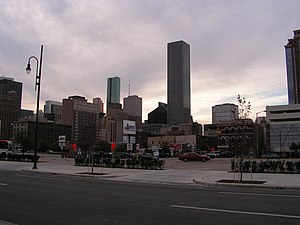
(267, 180)
(166, 176)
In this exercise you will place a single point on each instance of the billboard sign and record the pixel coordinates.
(129, 127)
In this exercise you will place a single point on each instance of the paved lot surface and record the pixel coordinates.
(218, 164)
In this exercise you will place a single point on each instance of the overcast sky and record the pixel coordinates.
(237, 47)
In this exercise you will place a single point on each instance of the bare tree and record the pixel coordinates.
(244, 107)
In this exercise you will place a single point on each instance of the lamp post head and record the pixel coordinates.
(28, 69)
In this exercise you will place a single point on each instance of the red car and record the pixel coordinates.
(192, 156)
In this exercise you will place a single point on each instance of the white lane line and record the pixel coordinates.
(257, 194)
(3, 184)
(236, 212)
(45, 178)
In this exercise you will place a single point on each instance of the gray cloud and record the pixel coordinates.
(236, 48)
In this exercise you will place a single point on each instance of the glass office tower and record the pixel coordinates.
(292, 54)
(179, 97)
(113, 90)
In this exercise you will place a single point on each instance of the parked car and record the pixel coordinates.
(192, 156)
(212, 155)
(148, 154)
(270, 156)
(164, 153)
(50, 152)
(227, 154)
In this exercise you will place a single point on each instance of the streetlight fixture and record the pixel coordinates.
(257, 130)
(38, 79)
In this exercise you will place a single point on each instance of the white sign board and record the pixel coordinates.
(62, 141)
(129, 127)
(125, 139)
(129, 147)
(132, 139)
(62, 138)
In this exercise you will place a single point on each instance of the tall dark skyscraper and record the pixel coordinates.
(292, 54)
(10, 105)
(8, 85)
(179, 93)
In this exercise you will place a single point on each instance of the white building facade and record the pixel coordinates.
(284, 127)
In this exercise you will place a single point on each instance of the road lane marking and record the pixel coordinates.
(236, 212)
(3, 184)
(257, 194)
(45, 178)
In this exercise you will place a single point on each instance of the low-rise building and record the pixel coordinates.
(236, 135)
(48, 134)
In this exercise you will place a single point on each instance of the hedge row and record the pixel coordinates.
(18, 157)
(269, 166)
(131, 163)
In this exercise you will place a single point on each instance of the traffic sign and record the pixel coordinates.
(129, 147)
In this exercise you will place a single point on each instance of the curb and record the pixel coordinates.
(262, 186)
(83, 174)
(108, 176)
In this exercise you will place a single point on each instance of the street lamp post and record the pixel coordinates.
(38, 79)
(257, 130)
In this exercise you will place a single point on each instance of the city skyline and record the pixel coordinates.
(237, 47)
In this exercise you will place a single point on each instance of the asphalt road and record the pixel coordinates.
(39, 198)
